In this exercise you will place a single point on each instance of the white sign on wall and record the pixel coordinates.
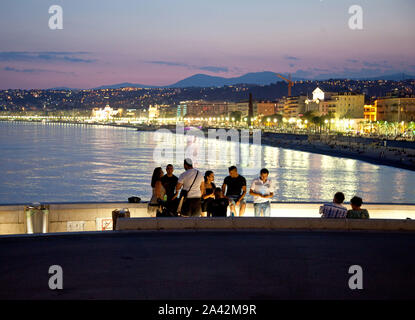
(74, 226)
(104, 224)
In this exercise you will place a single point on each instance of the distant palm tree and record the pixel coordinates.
(311, 117)
(317, 121)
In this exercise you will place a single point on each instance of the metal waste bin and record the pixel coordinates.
(123, 213)
(37, 218)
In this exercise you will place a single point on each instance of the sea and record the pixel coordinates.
(64, 163)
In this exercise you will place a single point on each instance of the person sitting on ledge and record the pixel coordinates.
(219, 206)
(357, 212)
(335, 209)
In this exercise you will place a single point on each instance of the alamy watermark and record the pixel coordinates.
(56, 19)
(356, 20)
(56, 280)
(219, 147)
(356, 280)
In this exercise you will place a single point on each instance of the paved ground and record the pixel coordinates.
(209, 265)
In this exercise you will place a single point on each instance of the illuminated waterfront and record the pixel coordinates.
(65, 163)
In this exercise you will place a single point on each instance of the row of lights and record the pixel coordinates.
(285, 120)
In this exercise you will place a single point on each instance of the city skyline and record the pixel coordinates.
(159, 43)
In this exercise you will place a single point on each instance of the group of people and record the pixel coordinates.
(336, 209)
(193, 194)
(199, 195)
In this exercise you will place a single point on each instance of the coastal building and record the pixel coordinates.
(105, 113)
(153, 112)
(395, 109)
(280, 106)
(327, 107)
(131, 113)
(242, 107)
(181, 109)
(347, 105)
(266, 108)
(319, 94)
(167, 111)
(203, 108)
(294, 107)
(321, 103)
(370, 113)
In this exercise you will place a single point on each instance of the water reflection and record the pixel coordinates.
(64, 163)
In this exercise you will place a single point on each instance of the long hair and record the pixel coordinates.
(156, 176)
(207, 174)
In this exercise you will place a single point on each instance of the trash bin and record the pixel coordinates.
(37, 218)
(123, 213)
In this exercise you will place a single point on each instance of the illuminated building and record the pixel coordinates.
(242, 107)
(205, 108)
(395, 109)
(153, 112)
(322, 102)
(106, 113)
(370, 112)
(343, 105)
(294, 106)
(266, 108)
(181, 109)
(349, 105)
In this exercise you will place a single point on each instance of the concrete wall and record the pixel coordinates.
(68, 217)
(92, 216)
(129, 224)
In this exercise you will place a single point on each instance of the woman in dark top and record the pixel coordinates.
(208, 192)
(159, 193)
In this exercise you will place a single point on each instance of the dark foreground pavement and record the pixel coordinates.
(209, 265)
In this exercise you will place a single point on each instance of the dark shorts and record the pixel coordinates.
(192, 207)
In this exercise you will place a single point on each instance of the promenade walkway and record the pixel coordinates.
(209, 265)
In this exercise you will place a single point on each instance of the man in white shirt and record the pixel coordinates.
(262, 189)
(191, 182)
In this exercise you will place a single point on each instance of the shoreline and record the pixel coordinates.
(347, 154)
(401, 158)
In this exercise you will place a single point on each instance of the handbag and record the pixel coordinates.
(134, 199)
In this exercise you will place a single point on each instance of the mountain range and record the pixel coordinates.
(253, 78)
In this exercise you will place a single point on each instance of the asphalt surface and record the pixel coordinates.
(209, 265)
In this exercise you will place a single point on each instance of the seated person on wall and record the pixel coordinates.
(219, 206)
(208, 193)
(357, 212)
(334, 209)
(234, 188)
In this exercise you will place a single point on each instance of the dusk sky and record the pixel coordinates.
(159, 42)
